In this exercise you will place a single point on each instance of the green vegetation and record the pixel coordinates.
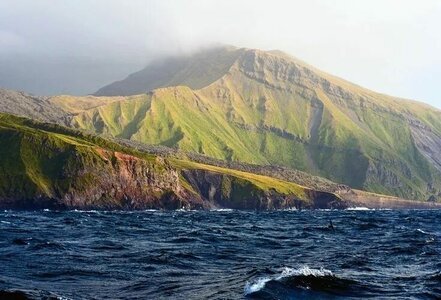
(38, 159)
(264, 183)
(243, 105)
(47, 161)
(270, 108)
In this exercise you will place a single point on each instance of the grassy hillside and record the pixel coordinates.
(45, 165)
(270, 108)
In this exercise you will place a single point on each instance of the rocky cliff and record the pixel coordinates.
(49, 166)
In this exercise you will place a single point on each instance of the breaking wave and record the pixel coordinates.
(298, 281)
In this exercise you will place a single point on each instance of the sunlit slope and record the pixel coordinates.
(270, 108)
(46, 165)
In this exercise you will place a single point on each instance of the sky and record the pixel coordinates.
(76, 47)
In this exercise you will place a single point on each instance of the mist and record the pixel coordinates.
(76, 47)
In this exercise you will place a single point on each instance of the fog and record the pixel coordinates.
(75, 47)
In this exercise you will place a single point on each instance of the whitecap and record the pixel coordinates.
(89, 211)
(259, 284)
(290, 209)
(422, 231)
(358, 208)
(222, 209)
(185, 210)
(430, 240)
(306, 271)
(256, 286)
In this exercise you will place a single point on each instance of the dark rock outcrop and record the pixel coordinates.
(227, 191)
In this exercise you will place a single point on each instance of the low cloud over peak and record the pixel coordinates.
(50, 47)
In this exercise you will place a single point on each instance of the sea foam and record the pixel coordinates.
(259, 284)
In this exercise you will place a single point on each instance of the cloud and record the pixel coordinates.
(10, 42)
(381, 44)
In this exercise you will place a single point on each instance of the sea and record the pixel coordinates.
(221, 254)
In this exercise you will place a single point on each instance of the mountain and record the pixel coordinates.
(45, 165)
(268, 108)
(195, 71)
(271, 108)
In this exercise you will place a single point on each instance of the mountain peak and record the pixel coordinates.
(267, 107)
(199, 69)
(270, 107)
(195, 71)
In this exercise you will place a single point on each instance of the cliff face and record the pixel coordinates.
(127, 182)
(107, 180)
(47, 166)
(227, 191)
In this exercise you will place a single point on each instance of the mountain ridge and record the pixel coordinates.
(270, 108)
(345, 107)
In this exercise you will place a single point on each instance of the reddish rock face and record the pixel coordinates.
(115, 180)
(128, 182)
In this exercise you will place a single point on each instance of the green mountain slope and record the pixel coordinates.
(46, 165)
(270, 108)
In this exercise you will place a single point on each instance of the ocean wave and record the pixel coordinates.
(88, 211)
(252, 287)
(290, 209)
(30, 294)
(160, 250)
(222, 209)
(358, 208)
(186, 210)
(299, 280)
(422, 231)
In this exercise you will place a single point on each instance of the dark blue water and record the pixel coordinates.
(220, 255)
